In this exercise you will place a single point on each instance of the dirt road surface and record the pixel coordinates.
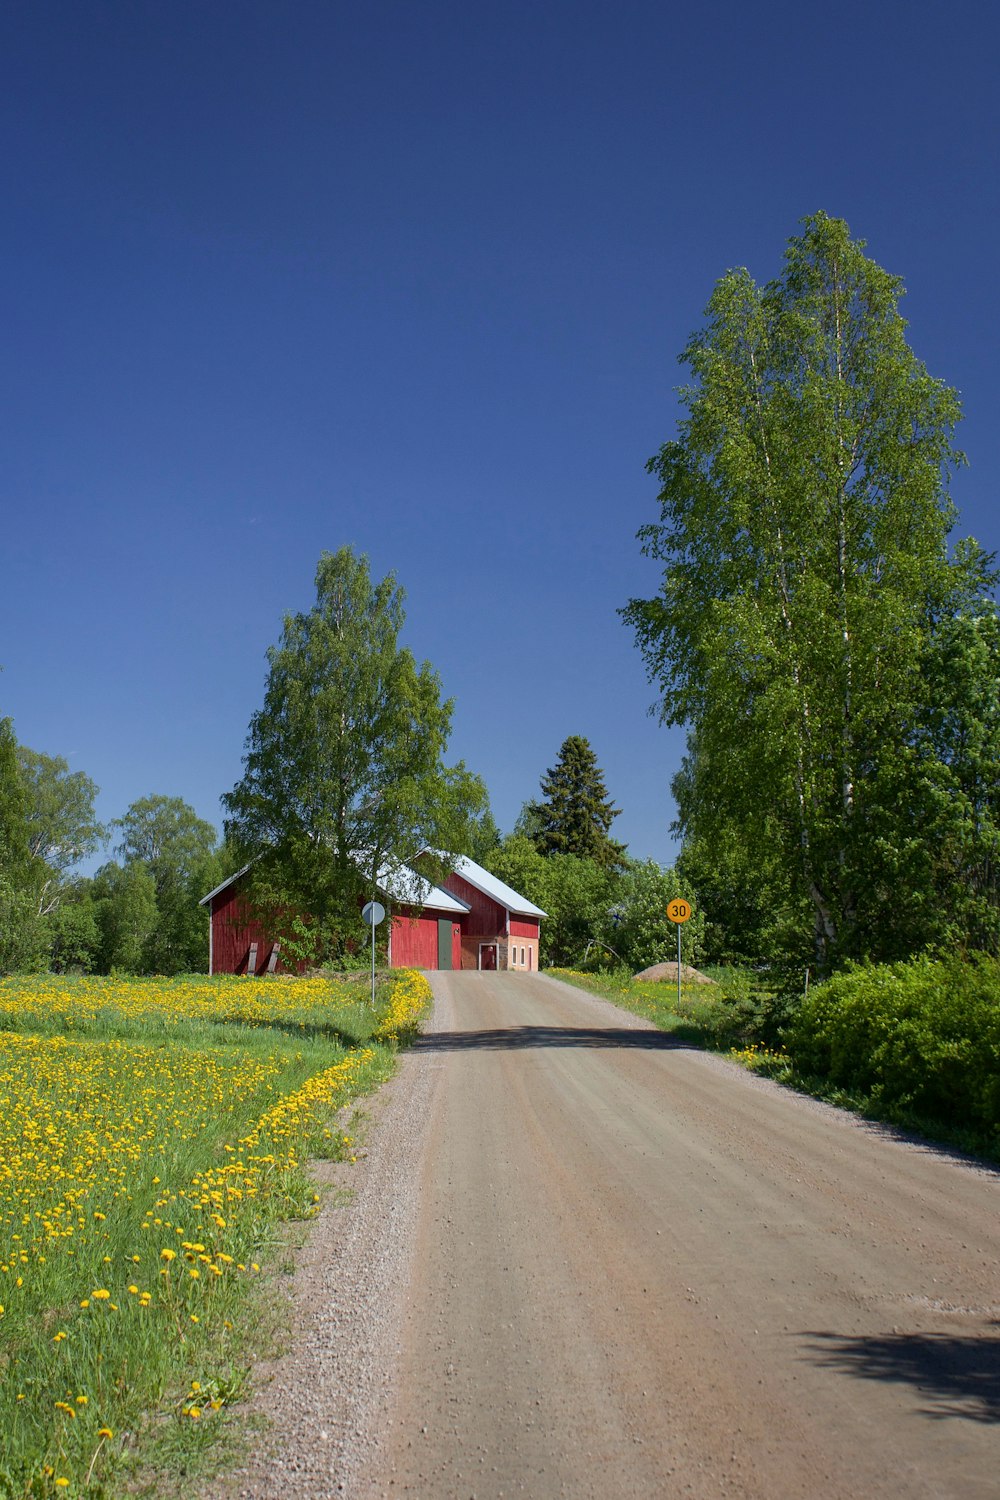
(638, 1271)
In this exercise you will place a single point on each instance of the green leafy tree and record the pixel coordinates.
(955, 785)
(575, 812)
(482, 838)
(803, 523)
(344, 771)
(59, 803)
(165, 836)
(126, 915)
(22, 875)
(574, 892)
(635, 923)
(61, 821)
(74, 933)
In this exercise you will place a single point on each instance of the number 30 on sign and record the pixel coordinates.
(679, 910)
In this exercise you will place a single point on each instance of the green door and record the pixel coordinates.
(444, 943)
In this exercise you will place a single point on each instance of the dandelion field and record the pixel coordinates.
(152, 1135)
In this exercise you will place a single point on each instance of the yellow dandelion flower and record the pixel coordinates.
(104, 1432)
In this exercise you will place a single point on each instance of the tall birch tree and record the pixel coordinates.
(804, 516)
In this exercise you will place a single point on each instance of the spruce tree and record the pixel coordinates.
(576, 812)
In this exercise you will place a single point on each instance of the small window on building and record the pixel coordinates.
(522, 958)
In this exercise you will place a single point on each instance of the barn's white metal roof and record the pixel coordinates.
(495, 888)
(398, 882)
(404, 885)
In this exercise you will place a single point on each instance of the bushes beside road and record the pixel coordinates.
(917, 1041)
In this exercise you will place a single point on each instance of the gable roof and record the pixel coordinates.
(400, 884)
(405, 886)
(498, 891)
(225, 884)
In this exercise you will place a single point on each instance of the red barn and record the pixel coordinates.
(424, 933)
(474, 921)
(501, 930)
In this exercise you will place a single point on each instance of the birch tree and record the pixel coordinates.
(344, 772)
(804, 516)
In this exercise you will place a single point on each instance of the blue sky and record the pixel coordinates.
(281, 277)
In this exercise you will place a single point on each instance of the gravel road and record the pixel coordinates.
(582, 1262)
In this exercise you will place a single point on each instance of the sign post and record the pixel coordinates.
(373, 912)
(678, 912)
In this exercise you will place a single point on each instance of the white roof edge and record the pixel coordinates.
(494, 887)
(230, 880)
(424, 893)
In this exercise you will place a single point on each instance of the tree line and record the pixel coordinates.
(139, 913)
(834, 658)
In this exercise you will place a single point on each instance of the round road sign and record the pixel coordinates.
(679, 910)
(373, 913)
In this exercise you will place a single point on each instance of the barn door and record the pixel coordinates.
(444, 943)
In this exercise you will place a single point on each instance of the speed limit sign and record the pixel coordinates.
(679, 910)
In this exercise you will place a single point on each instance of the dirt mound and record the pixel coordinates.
(669, 971)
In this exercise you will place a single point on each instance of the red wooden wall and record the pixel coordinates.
(524, 927)
(487, 918)
(233, 932)
(415, 941)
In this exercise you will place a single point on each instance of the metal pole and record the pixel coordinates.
(678, 968)
(373, 966)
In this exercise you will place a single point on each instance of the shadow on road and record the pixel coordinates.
(503, 1038)
(957, 1376)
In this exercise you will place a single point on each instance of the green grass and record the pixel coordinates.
(154, 1137)
(731, 1012)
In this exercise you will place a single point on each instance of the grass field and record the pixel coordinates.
(152, 1136)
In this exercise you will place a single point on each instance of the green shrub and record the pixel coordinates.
(917, 1039)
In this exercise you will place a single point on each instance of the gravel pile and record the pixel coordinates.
(325, 1399)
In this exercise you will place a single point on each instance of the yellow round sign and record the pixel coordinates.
(679, 910)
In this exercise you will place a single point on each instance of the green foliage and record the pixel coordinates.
(635, 925)
(573, 891)
(23, 935)
(343, 771)
(575, 812)
(803, 531)
(59, 806)
(482, 837)
(919, 1040)
(22, 874)
(74, 934)
(178, 850)
(15, 844)
(126, 911)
